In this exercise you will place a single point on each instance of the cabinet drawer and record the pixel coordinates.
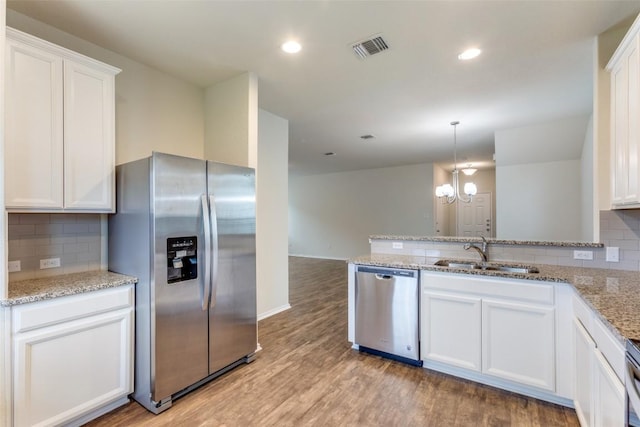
(610, 348)
(512, 289)
(46, 313)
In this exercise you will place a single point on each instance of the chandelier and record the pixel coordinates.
(449, 193)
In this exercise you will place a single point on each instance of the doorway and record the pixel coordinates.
(475, 218)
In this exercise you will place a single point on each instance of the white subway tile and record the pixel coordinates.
(33, 218)
(49, 229)
(63, 218)
(19, 230)
(75, 228)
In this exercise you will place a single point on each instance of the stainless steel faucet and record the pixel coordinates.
(482, 251)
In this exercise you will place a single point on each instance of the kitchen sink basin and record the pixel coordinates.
(468, 265)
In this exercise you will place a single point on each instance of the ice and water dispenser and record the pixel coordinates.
(182, 259)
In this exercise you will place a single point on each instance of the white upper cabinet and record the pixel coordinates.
(60, 128)
(624, 67)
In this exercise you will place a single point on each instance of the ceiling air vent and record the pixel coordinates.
(370, 46)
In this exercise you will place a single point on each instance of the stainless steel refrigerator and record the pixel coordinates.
(186, 228)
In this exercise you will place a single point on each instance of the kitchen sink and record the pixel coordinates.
(469, 265)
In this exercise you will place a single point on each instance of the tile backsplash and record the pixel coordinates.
(619, 228)
(74, 238)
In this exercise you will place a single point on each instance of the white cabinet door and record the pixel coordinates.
(450, 329)
(60, 139)
(619, 132)
(69, 369)
(584, 358)
(518, 343)
(625, 128)
(34, 132)
(89, 138)
(609, 399)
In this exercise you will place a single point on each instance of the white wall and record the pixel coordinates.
(590, 227)
(539, 180)
(154, 111)
(333, 215)
(272, 221)
(5, 333)
(231, 109)
(539, 201)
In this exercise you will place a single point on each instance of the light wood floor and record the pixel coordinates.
(307, 375)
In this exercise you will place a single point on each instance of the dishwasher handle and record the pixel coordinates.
(387, 273)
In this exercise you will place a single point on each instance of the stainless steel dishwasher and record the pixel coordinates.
(386, 313)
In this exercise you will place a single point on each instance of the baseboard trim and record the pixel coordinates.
(318, 257)
(498, 383)
(276, 310)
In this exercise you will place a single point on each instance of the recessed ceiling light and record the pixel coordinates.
(469, 54)
(291, 47)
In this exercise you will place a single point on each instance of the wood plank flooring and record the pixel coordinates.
(307, 375)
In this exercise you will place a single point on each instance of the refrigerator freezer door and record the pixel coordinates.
(232, 320)
(179, 326)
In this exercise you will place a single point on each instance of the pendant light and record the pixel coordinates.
(449, 193)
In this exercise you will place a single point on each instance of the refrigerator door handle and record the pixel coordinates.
(206, 223)
(214, 250)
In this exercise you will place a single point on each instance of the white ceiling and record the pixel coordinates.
(536, 65)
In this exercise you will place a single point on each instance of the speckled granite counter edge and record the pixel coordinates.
(548, 273)
(490, 240)
(34, 290)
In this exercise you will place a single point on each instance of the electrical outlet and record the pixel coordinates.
(613, 254)
(49, 263)
(14, 266)
(396, 245)
(583, 255)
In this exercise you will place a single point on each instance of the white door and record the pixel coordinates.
(609, 399)
(584, 358)
(89, 149)
(34, 134)
(72, 368)
(451, 329)
(527, 358)
(442, 218)
(475, 218)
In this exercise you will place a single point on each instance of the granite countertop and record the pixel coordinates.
(33, 290)
(449, 239)
(613, 294)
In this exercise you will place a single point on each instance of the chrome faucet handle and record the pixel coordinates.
(484, 244)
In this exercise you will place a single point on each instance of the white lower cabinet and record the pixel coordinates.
(584, 361)
(518, 342)
(454, 331)
(609, 398)
(72, 357)
(600, 396)
(498, 331)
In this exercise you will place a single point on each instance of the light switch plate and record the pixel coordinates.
(613, 254)
(14, 266)
(49, 263)
(583, 255)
